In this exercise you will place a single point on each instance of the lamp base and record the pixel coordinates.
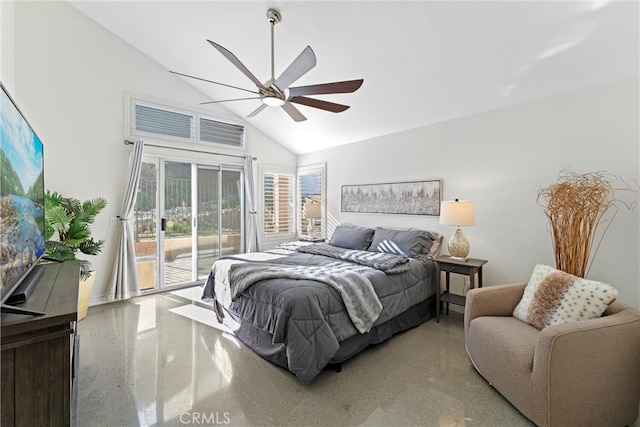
(311, 227)
(458, 245)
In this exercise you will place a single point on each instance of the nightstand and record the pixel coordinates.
(469, 267)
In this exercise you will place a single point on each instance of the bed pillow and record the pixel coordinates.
(554, 297)
(436, 244)
(350, 236)
(410, 242)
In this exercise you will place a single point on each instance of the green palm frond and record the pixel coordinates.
(49, 231)
(59, 251)
(57, 218)
(72, 205)
(91, 247)
(77, 233)
(91, 208)
(52, 199)
(85, 269)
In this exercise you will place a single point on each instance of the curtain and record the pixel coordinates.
(124, 278)
(252, 241)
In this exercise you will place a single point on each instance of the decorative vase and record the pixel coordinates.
(84, 295)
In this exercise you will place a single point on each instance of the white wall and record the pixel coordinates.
(70, 79)
(7, 44)
(500, 159)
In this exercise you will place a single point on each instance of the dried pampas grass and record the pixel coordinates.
(575, 206)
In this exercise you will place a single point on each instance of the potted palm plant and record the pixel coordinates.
(67, 232)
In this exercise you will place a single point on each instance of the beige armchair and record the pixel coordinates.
(585, 373)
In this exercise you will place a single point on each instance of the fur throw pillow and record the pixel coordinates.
(553, 297)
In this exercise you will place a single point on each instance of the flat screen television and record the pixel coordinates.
(21, 207)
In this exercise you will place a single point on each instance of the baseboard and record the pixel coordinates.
(99, 300)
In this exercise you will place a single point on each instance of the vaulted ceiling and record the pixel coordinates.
(422, 62)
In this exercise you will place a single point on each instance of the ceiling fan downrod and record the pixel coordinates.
(274, 18)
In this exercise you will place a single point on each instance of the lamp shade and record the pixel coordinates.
(457, 212)
(312, 210)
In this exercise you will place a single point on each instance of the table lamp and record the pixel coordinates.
(312, 212)
(457, 212)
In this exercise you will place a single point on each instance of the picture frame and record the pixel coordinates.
(404, 198)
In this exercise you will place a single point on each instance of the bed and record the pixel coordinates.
(305, 306)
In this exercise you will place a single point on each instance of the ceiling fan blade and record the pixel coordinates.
(317, 103)
(293, 112)
(239, 65)
(211, 81)
(228, 100)
(301, 65)
(257, 110)
(326, 88)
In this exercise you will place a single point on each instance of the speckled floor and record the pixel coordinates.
(144, 362)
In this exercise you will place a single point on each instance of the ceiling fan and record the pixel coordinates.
(276, 92)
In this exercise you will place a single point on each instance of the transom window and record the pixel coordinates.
(149, 119)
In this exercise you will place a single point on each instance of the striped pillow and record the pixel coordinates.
(553, 297)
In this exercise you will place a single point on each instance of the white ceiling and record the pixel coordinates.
(422, 62)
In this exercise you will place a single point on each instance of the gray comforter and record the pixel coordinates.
(308, 318)
(356, 291)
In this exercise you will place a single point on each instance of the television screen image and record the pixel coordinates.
(21, 196)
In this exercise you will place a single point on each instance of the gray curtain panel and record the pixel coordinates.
(252, 239)
(124, 278)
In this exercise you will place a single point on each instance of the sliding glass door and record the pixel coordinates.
(208, 219)
(189, 213)
(176, 224)
(220, 216)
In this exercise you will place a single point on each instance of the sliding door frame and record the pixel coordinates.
(197, 164)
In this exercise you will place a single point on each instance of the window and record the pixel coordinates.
(150, 119)
(221, 133)
(311, 193)
(163, 122)
(278, 203)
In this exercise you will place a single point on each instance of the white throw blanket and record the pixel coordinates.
(221, 268)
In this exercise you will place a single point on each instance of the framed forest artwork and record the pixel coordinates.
(408, 198)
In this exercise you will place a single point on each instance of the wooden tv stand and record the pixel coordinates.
(39, 355)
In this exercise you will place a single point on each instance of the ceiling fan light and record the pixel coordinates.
(273, 101)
